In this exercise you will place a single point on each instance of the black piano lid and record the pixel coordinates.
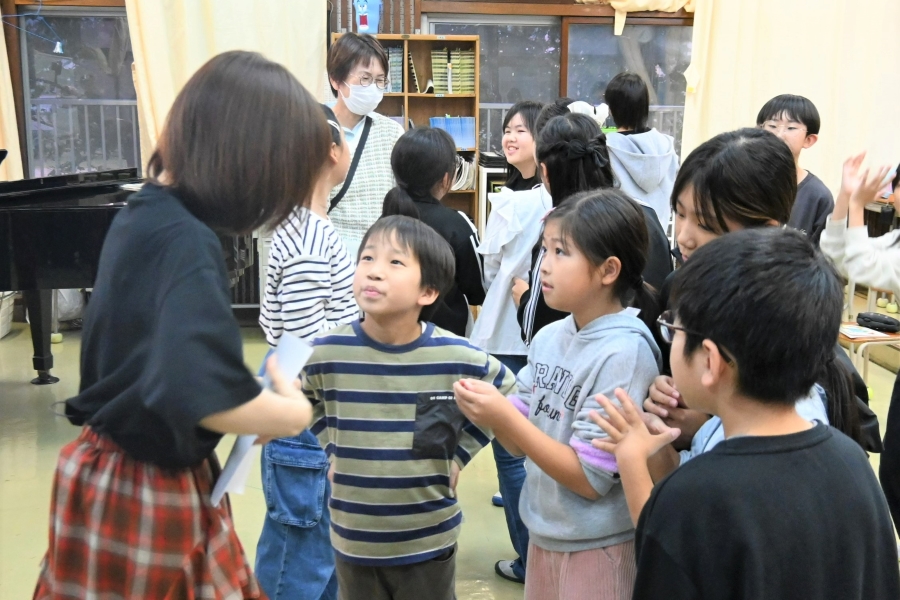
(81, 190)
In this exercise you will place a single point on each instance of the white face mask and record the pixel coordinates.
(362, 99)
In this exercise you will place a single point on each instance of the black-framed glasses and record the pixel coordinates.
(667, 329)
(382, 83)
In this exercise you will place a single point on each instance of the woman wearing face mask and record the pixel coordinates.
(358, 73)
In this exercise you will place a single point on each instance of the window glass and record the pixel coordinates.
(518, 62)
(79, 94)
(659, 54)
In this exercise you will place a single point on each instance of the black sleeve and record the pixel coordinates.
(541, 314)
(824, 208)
(469, 265)
(195, 361)
(659, 256)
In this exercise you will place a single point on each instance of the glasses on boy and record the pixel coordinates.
(667, 329)
(777, 127)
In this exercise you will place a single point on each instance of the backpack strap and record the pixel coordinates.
(356, 156)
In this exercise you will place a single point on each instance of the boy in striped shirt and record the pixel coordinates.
(386, 415)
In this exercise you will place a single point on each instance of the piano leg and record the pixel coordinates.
(40, 312)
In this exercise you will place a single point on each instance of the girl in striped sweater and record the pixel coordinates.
(309, 289)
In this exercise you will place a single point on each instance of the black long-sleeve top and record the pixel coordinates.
(468, 289)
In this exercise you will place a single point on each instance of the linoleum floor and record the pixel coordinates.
(31, 437)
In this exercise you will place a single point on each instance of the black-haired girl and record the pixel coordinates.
(739, 180)
(519, 133)
(582, 539)
(424, 165)
(573, 157)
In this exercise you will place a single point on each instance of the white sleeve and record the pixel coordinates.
(270, 308)
(873, 261)
(832, 242)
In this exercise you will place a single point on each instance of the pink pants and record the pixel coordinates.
(605, 573)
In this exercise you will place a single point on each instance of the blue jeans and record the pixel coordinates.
(294, 557)
(511, 475)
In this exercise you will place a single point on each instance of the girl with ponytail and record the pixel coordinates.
(573, 157)
(582, 538)
(424, 165)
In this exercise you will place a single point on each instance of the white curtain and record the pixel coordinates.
(11, 168)
(173, 38)
(844, 56)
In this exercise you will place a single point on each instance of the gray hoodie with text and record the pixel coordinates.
(566, 369)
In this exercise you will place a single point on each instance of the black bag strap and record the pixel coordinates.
(356, 156)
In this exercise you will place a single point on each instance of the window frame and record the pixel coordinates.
(101, 10)
(15, 57)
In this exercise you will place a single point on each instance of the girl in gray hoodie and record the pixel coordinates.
(573, 504)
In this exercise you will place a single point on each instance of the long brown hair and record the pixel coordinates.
(243, 145)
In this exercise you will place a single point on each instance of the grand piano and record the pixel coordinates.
(52, 230)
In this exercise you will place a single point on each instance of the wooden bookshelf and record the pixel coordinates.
(420, 107)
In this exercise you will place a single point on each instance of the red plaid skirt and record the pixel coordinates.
(120, 528)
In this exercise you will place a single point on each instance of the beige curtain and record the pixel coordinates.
(844, 56)
(623, 7)
(11, 168)
(173, 38)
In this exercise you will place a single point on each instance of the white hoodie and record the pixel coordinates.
(645, 165)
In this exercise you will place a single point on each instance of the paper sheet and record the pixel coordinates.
(292, 354)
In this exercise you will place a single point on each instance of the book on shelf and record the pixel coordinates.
(395, 68)
(412, 73)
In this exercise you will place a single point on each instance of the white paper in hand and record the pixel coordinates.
(291, 354)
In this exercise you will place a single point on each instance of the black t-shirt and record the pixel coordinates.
(784, 517)
(517, 183)
(812, 207)
(161, 348)
(468, 287)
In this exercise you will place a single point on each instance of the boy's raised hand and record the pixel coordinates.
(629, 438)
(481, 402)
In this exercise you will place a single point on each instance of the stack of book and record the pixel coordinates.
(493, 160)
(465, 174)
(440, 75)
(395, 63)
(463, 66)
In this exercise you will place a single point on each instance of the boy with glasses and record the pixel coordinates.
(782, 508)
(795, 120)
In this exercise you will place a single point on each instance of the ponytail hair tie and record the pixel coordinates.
(595, 149)
(639, 283)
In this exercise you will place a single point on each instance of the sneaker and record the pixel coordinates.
(497, 500)
(504, 568)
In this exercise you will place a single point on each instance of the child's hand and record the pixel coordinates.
(872, 181)
(482, 403)
(663, 395)
(850, 178)
(454, 478)
(629, 438)
(520, 286)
